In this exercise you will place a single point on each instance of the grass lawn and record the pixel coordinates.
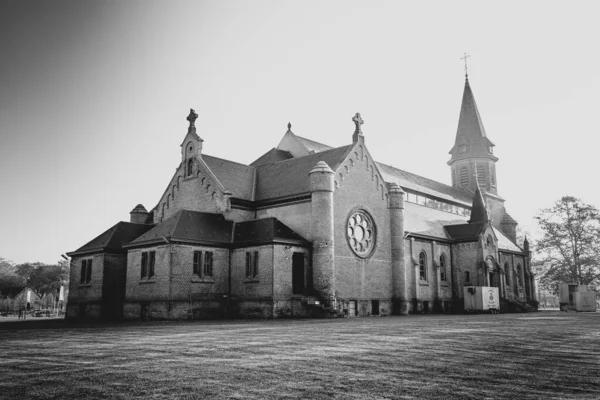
(541, 355)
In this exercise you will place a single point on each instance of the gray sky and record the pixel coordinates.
(94, 95)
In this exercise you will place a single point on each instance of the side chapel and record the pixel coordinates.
(308, 230)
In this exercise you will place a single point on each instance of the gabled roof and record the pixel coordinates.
(272, 156)
(113, 240)
(417, 183)
(189, 226)
(11, 292)
(466, 232)
(235, 177)
(470, 130)
(265, 230)
(290, 177)
(311, 145)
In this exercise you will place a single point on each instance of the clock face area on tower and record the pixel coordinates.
(190, 148)
(361, 233)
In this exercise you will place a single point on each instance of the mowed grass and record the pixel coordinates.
(518, 356)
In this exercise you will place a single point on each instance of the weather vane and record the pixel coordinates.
(465, 57)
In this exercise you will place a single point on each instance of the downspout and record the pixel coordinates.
(170, 272)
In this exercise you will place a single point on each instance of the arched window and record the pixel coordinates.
(519, 280)
(464, 176)
(489, 242)
(443, 268)
(423, 266)
(506, 270)
(190, 167)
(481, 175)
(492, 175)
(467, 277)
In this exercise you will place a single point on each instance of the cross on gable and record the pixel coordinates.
(358, 121)
(192, 117)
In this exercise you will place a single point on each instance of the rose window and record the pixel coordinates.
(361, 233)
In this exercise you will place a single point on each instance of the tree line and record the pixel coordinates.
(569, 250)
(43, 278)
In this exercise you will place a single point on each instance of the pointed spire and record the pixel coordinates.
(471, 138)
(478, 210)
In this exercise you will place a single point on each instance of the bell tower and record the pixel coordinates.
(472, 162)
(472, 153)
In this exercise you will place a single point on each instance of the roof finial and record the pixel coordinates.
(289, 126)
(465, 57)
(192, 118)
(358, 121)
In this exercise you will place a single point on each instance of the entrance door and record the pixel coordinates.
(352, 308)
(298, 273)
(374, 307)
(492, 283)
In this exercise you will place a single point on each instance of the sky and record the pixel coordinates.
(94, 97)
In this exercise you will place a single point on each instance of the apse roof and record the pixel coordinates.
(265, 230)
(189, 226)
(214, 230)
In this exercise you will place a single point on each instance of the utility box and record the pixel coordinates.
(576, 297)
(585, 301)
(481, 299)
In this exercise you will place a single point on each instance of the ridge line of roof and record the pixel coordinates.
(230, 161)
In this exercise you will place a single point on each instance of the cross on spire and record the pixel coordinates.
(358, 121)
(465, 57)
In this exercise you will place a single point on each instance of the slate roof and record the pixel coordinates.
(470, 129)
(430, 222)
(504, 243)
(290, 177)
(213, 229)
(465, 232)
(311, 145)
(237, 178)
(272, 156)
(113, 240)
(418, 183)
(266, 230)
(189, 226)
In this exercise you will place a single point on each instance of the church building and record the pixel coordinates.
(308, 230)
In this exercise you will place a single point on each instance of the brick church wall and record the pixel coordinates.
(359, 186)
(85, 299)
(186, 295)
(196, 193)
(252, 296)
